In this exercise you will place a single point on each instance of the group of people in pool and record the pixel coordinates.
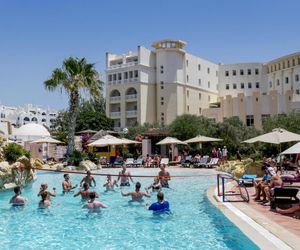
(89, 196)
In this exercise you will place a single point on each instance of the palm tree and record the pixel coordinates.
(75, 76)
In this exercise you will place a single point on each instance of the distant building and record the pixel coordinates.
(156, 86)
(18, 116)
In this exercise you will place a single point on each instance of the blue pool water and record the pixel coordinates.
(195, 223)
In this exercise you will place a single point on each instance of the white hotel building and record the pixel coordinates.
(156, 86)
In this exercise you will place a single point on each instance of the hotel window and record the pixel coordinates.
(279, 66)
(249, 85)
(264, 117)
(162, 99)
(162, 114)
(270, 84)
(286, 80)
(199, 67)
(208, 98)
(199, 96)
(187, 78)
(288, 64)
(234, 86)
(187, 63)
(249, 120)
(188, 93)
(161, 85)
(293, 62)
(256, 71)
(161, 69)
(298, 60)
(234, 72)
(249, 71)
(298, 91)
(208, 84)
(199, 82)
(188, 108)
(226, 73)
(125, 75)
(109, 78)
(241, 72)
(119, 76)
(227, 86)
(277, 82)
(242, 85)
(130, 74)
(115, 77)
(208, 70)
(257, 85)
(200, 110)
(283, 65)
(297, 78)
(136, 74)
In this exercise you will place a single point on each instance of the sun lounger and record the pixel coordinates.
(247, 179)
(213, 162)
(103, 161)
(138, 162)
(118, 162)
(129, 162)
(284, 196)
(164, 161)
(202, 162)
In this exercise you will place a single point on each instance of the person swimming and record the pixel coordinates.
(109, 184)
(155, 186)
(17, 199)
(67, 185)
(161, 206)
(136, 195)
(44, 202)
(44, 188)
(85, 193)
(88, 179)
(94, 205)
(124, 176)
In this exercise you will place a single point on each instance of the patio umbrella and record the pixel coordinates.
(49, 140)
(277, 136)
(107, 140)
(127, 141)
(202, 138)
(295, 149)
(88, 131)
(170, 140)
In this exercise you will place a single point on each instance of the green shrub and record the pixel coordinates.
(77, 157)
(93, 157)
(13, 151)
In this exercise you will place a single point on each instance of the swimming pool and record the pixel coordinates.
(195, 223)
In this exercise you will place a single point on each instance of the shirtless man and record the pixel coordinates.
(93, 205)
(44, 188)
(17, 199)
(109, 184)
(136, 195)
(124, 176)
(67, 185)
(164, 176)
(85, 193)
(88, 179)
(276, 182)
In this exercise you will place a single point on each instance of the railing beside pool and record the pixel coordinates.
(237, 188)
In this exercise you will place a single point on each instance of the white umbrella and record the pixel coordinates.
(295, 149)
(127, 141)
(277, 136)
(202, 138)
(170, 140)
(107, 140)
(49, 140)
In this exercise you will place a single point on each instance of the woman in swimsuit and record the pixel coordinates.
(155, 186)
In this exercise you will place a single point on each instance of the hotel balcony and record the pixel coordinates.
(131, 97)
(131, 113)
(115, 99)
(115, 114)
(122, 65)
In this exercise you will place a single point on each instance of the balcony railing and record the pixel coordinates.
(115, 98)
(123, 65)
(131, 113)
(115, 114)
(131, 97)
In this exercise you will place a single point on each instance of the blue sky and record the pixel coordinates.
(36, 36)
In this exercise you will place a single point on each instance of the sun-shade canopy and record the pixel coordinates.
(170, 140)
(201, 138)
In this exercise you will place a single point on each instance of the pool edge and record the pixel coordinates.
(255, 231)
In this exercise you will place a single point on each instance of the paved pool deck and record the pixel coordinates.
(267, 229)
